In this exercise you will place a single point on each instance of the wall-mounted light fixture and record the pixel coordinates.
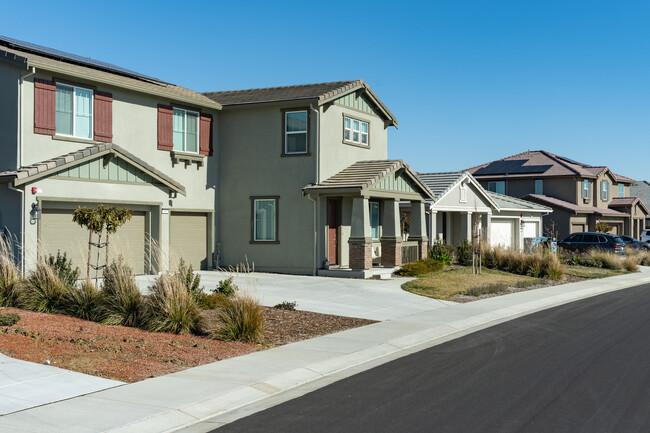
(35, 213)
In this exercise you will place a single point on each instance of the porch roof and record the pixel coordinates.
(363, 175)
(623, 202)
(52, 166)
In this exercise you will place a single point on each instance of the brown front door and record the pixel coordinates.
(332, 231)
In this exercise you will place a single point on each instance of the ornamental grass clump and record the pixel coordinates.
(45, 291)
(608, 260)
(172, 308)
(240, 319)
(12, 289)
(121, 300)
(537, 264)
(84, 302)
(631, 264)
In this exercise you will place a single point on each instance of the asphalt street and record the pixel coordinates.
(580, 367)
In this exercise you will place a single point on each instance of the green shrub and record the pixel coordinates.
(62, 266)
(286, 305)
(9, 319)
(441, 252)
(191, 280)
(433, 265)
(121, 300)
(45, 291)
(413, 269)
(226, 287)
(464, 253)
(240, 319)
(84, 302)
(172, 308)
(210, 301)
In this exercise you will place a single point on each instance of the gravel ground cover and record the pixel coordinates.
(130, 354)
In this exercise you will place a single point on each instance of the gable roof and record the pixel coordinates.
(441, 183)
(628, 201)
(539, 164)
(506, 202)
(27, 55)
(322, 93)
(572, 207)
(52, 166)
(364, 174)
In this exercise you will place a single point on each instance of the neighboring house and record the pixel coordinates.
(462, 207)
(579, 194)
(78, 132)
(305, 185)
(642, 190)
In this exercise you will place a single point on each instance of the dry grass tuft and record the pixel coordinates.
(172, 308)
(122, 302)
(240, 319)
(12, 289)
(45, 291)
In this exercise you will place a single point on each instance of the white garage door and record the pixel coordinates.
(59, 233)
(188, 239)
(530, 229)
(501, 233)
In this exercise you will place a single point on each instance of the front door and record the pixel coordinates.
(332, 231)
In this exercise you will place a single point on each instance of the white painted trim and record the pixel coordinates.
(198, 130)
(74, 110)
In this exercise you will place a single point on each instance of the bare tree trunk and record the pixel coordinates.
(90, 245)
(107, 235)
(99, 243)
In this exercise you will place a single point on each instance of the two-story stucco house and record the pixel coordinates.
(305, 185)
(78, 132)
(580, 195)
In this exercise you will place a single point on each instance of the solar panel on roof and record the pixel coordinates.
(85, 61)
(569, 160)
(511, 167)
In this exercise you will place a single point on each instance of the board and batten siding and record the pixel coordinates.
(392, 183)
(359, 103)
(117, 170)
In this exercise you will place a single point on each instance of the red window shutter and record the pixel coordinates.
(103, 122)
(165, 128)
(44, 107)
(205, 135)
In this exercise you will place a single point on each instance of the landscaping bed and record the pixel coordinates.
(130, 354)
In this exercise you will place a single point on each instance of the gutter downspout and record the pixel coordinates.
(316, 207)
(22, 226)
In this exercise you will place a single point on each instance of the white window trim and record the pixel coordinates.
(275, 220)
(359, 131)
(287, 133)
(74, 111)
(586, 191)
(198, 130)
(604, 190)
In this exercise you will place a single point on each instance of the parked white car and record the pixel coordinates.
(645, 236)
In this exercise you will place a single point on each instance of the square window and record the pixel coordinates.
(74, 111)
(499, 187)
(295, 132)
(186, 130)
(265, 220)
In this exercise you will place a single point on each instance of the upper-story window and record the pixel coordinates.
(295, 132)
(498, 187)
(186, 130)
(604, 190)
(621, 190)
(586, 189)
(355, 131)
(539, 186)
(74, 111)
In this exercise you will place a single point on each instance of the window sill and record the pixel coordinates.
(265, 242)
(296, 154)
(74, 139)
(187, 158)
(352, 143)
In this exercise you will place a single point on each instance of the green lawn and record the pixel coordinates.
(589, 272)
(445, 284)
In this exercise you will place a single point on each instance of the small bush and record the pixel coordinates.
(210, 301)
(413, 269)
(9, 319)
(191, 280)
(286, 305)
(121, 299)
(433, 265)
(62, 266)
(630, 264)
(12, 289)
(45, 291)
(240, 319)
(172, 308)
(464, 253)
(226, 287)
(84, 302)
(441, 252)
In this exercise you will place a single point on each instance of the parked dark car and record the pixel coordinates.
(588, 240)
(634, 243)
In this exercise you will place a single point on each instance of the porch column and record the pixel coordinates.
(391, 236)
(488, 230)
(360, 242)
(468, 228)
(418, 229)
(433, 227)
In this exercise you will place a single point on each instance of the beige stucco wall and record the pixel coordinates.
(135, 130)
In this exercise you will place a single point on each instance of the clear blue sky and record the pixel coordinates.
(469, 81)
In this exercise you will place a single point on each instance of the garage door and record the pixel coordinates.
(501, 234)
(59, 233)
(188, 239)
(577, 228)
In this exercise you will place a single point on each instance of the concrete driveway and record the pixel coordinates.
(368, 299)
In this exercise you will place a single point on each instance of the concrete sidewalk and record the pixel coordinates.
(366, 299)
(205, 397)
